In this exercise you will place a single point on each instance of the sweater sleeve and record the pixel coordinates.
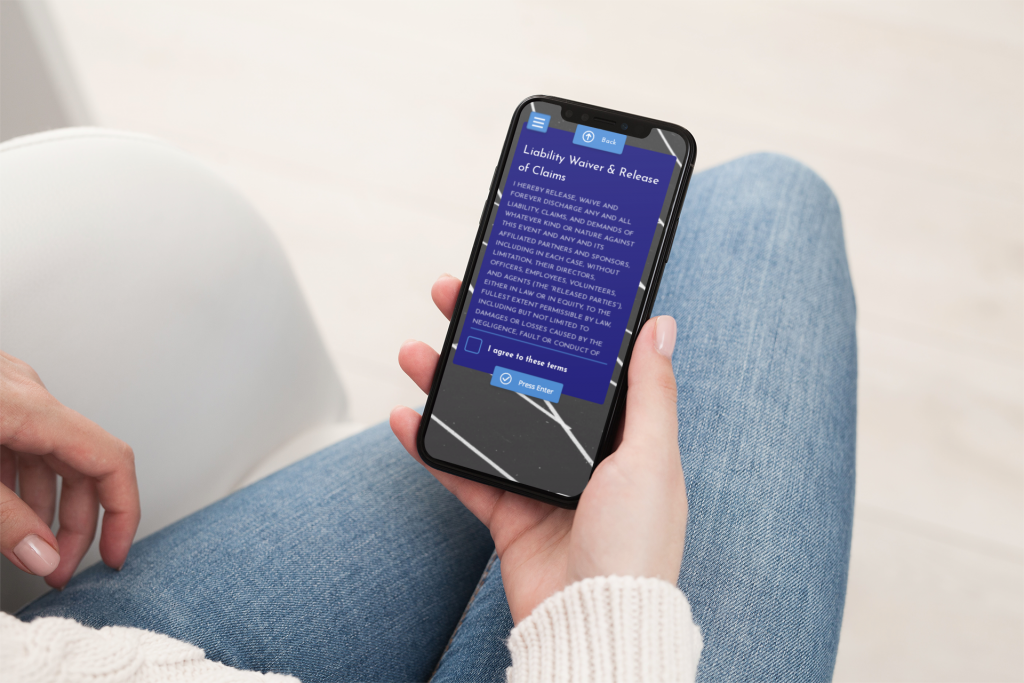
(54, 650)
(610, 628)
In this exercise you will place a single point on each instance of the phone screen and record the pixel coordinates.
(555, 295)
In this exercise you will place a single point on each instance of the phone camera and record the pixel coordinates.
(625, 126)
(568, 113)
(585, 117)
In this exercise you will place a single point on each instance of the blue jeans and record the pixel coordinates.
(354, 564)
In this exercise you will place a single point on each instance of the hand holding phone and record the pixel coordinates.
(631, 517)
(575, 233)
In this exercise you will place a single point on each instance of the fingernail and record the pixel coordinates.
(665, 335)
(38, 555)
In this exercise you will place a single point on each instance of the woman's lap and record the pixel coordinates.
(355, 564)
(767, 368)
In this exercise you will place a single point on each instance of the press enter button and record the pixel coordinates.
(520, 382)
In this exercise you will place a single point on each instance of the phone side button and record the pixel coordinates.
(483, 212)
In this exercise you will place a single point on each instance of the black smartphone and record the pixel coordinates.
(572, 242)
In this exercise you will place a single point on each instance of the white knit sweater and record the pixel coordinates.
(603, 629)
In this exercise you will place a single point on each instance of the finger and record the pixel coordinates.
(419, 361)
(79, 510)
(119, 496)
(478, 498)
(36, 423)
(651, 421)
(445, 292)
(74, 446)
(38, 486)
(24, 539)
(12, 366)
(8, 467)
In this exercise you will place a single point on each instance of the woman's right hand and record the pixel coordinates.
(39, 439)
(631, 519)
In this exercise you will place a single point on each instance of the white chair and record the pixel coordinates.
(153, 299)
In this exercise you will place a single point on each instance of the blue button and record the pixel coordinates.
(538, 122)
(595, 138)
(538, 387)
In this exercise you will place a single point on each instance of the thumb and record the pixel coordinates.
(651, 422)
(25, 539)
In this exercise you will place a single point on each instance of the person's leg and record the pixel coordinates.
(477, 650)
(353, 564)
(766, 363)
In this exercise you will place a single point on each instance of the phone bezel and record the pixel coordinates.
(650, 294)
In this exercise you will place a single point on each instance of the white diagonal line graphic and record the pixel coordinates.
(665, 140)
(534, 404)
(553, 414)
(568, 430)
(472, 448)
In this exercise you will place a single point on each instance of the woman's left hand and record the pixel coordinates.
(39, 439)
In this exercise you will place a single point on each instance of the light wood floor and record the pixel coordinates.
(913, 112)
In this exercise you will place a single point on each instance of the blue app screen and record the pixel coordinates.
(570, 243)
(565, 259)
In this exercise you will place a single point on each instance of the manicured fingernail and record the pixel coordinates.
(665, 335)
(38, 555)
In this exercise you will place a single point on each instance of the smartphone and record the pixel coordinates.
(573, 239)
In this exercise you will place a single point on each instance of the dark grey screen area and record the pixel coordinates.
(549, 446)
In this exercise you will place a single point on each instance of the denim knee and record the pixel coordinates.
(785, 183)
(776, 219)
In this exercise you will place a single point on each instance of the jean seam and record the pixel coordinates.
(472, 599)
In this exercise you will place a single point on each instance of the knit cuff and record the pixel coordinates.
(610, 628)
(57, 649)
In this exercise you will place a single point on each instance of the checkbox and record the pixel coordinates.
(473, 344)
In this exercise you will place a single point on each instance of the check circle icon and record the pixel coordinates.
(505, 378)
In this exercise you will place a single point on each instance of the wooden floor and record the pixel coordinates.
(913, 112)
